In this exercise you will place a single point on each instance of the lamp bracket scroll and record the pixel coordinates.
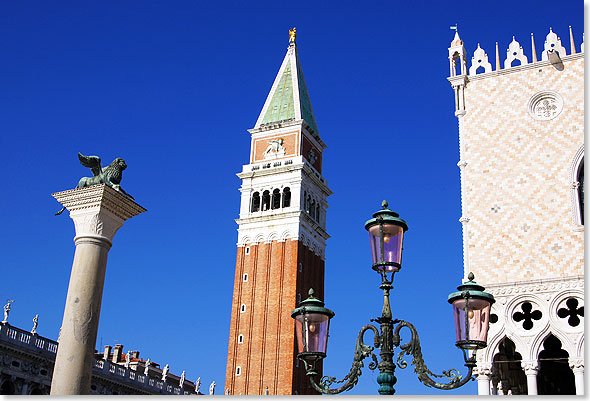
(424, 374)
(361, 352)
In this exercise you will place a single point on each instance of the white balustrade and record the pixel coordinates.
(11, 333)
(25, 338)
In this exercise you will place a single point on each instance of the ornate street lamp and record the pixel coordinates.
(471, 311)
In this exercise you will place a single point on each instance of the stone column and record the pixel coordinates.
(577, 366)
(531, 368)
(98, 212)
(483, 372)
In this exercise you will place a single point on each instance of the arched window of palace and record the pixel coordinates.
(7, 388)
(276, 199)
(255, 202)
(265, 200)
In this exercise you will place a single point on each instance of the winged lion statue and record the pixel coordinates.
(110, 175)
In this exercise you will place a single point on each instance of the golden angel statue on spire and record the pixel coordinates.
(292, 35)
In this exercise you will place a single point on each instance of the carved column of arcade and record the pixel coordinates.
(531, 368)
(484, 375)
(577, 366)
(98, 212)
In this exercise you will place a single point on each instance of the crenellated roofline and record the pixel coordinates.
(553, 53)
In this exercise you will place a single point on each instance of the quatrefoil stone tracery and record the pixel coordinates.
(571, 312)
(527, 315)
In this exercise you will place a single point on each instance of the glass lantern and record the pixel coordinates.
(386, 235)
(312, 323)
(471, 313)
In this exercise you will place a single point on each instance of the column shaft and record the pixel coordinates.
(483, 384)
(531, 382)
(579, 379)
(75, 355)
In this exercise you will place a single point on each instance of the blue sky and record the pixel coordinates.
(172, 87)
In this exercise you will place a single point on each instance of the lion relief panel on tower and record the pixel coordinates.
(274, 147)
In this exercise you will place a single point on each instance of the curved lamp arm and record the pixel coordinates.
(424, 374)
(350, 380)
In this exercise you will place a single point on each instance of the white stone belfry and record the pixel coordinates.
(457, 54)
(98, 212)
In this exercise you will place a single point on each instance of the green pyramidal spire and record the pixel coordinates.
(288, 98)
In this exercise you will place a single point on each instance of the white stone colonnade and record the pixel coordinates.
(483, 372)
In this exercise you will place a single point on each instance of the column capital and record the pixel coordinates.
(98, 211)
(483, 368)
(530, 367)
(576, 364)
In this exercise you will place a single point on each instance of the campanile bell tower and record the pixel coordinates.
(281, 239)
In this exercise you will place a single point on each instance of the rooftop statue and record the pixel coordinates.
(147, 367)
(292, 35)
(7, 310)
(110, 175)
(35, 323)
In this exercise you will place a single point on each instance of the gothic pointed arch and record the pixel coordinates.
(555, 376)
(507, 368)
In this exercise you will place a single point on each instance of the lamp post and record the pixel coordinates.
(471, 311)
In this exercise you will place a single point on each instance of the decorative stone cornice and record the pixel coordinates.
(534, 286)
(99, 196)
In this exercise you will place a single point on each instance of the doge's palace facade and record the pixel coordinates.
(521, 137)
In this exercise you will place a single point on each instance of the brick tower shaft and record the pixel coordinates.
(281, 240)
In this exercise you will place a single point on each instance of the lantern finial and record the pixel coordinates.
(311, 292)
(471, 276)
(384, 204)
